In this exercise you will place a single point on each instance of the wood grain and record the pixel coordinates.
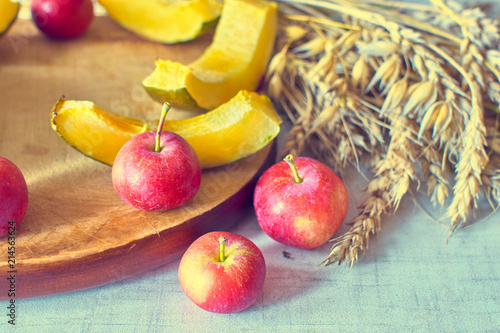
(77, 232)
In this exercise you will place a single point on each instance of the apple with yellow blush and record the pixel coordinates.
(300, 202)
(222, 272)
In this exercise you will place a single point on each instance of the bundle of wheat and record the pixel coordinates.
(406, 90)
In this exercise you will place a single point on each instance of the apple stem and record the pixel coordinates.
(164, 111)
(222, 242)
(289, 159)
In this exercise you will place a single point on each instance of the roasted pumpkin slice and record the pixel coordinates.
(235, 60)
(165, 21)
(8, 14)
(236, 129)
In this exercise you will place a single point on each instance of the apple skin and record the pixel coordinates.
(13, 196)
(62, 19)
(222, 287)
(156, 181)
(304, 215)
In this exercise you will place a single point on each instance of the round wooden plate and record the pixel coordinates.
(77, 232)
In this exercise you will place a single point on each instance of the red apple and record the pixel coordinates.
(156, 171)
(13, 196)
(300, 202)
(62, 19)
(222, 272)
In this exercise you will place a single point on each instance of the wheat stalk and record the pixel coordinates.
(393, 175)
(364, 83)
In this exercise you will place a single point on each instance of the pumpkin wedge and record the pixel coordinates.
(8, 14)
(165, 21)
(167, 84)
(236, 129)
(235, 60)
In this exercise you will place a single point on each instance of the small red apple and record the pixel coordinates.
(62, 19)
(222, 272)
(156, 171)
(300, 202)
(13, 196)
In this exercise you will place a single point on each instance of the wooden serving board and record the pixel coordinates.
(77, 233)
